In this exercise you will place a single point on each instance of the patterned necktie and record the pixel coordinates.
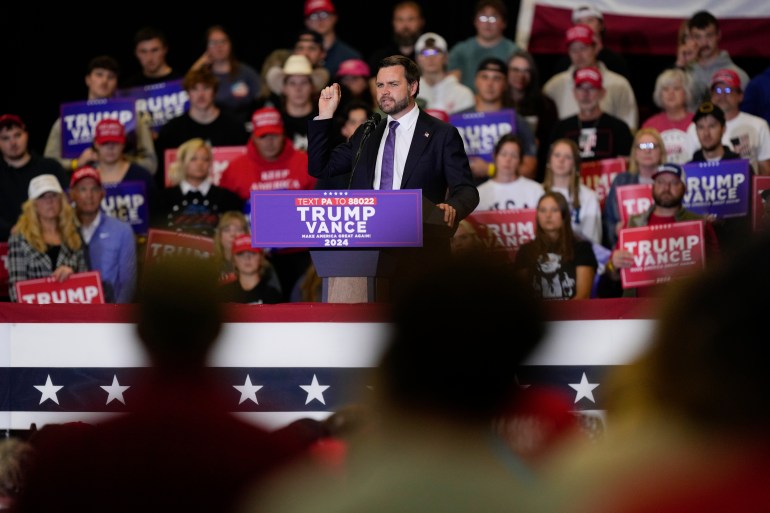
(388, 156)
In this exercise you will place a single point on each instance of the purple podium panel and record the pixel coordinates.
(337, 219)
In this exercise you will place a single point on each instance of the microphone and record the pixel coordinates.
(371, 123)
(369, 126)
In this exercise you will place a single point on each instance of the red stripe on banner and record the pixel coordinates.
(577, 310)
(646, 35)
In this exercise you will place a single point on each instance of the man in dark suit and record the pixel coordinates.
(429, 153)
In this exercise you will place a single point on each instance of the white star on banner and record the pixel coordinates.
(48, 391)
(314, 390)
(115, 391)
(248, 391)
(584, 389)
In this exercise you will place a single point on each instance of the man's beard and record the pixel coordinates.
(397, 107)
(668, 201)
(406, 38)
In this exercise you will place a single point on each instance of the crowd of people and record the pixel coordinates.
(447, 425)
(311, 98)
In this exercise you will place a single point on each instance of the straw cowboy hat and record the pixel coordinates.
(296, 65)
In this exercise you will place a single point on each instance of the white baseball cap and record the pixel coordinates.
(42, 184)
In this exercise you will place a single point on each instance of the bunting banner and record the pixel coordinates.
(278, 363)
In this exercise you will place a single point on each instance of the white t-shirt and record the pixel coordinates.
(448, 95)
(587, 222)
(520, 193)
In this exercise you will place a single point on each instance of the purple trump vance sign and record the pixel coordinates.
(336, 218)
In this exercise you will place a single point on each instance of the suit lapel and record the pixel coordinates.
(422, 134)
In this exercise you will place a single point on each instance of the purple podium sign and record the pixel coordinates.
(336, 218)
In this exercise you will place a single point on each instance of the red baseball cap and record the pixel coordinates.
(353, 67)
(581, 33)
(266, 120)
(726, 76)
(85, 172)
(590, 75)
(11, 120)
(312, 6)
(109, 130)
(243, 243)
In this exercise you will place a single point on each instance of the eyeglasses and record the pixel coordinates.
(647, 146)
(724, 90)
(520, 70)
(430, 51)
(321, 15)
(487, 19)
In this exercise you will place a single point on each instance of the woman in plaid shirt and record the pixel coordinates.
(45, 240)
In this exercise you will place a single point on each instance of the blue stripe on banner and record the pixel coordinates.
(88, 389)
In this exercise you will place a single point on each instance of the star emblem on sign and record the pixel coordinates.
(314, 391)
(584, 389)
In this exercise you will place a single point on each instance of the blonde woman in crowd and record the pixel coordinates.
(674, 97)
(194, 204)
(45, 240)
(647, 153)
(231, 224)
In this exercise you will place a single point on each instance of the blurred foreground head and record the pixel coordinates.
(460, 330)
(180, 312)
(707, 362)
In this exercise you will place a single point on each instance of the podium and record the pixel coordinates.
(354, 275)
(357, 238)
(364, 275)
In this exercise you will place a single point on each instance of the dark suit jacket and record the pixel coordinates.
(437, 162)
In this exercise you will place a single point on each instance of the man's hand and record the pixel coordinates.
(449, 213)
(329, 101)
(621, 259)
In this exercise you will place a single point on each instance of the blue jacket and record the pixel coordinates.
(112, 252)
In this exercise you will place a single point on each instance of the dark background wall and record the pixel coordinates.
(46, 49)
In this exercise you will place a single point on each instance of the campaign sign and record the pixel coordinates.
(128, 201)
(599, 174)
(161, 102)
(336, 218)
(481, 130)
(165, 243)
(3, 269)
(662, 252)
(222, 156)
(760, 202)
(505, 229)
(79, 288)
(79, 119)
(633, 200)
(720, 188)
